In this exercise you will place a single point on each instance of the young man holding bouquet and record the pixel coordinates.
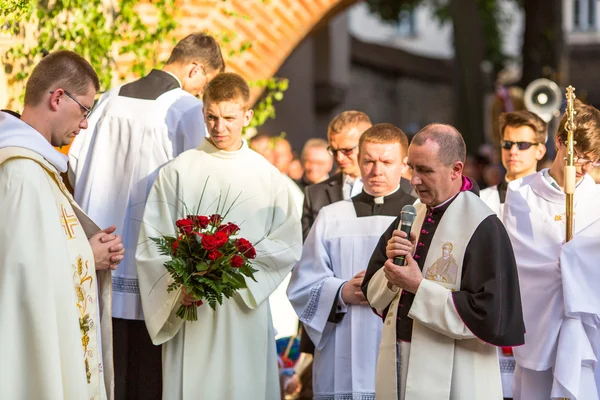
(136, 128)
(229, 352)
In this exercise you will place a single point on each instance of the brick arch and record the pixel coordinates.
(274, 27)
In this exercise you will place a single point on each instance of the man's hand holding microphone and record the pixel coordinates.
(401, 269)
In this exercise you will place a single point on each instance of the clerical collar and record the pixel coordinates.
(381, 199)
(176, 78)
(467, 186)
(366, 205)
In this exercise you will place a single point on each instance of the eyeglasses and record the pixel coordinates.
(346, 152)
(584, 162)
(87, 111)
(507, 145)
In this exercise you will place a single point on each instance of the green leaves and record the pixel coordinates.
(90, 28)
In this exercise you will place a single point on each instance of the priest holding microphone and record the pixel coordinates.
(457, 297)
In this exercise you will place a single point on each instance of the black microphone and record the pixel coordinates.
(407, 217)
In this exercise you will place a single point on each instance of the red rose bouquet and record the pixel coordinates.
(207, 260)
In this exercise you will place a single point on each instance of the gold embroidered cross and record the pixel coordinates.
(69, 222)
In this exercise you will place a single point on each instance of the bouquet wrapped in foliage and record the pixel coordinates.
(207, 260)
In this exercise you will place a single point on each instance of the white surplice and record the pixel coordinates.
(491, 197)
(229, 353)
(558, 281)
(114, 162)
(338, 247)
(54, 305)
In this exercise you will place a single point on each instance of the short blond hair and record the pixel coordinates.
(347, 119)
(227, 86)
(384, 133)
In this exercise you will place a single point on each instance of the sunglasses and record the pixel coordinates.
(345, 152)
(507, 145)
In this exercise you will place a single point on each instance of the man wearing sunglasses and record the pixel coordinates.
(134, 130)
(55, 263)
(558, 280)
(523, 145)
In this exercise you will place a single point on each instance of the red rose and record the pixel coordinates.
(175, 246)
(245, 247)
(216, 219)
(229, 229)
(185, 225)
(236, 261)
(203, 221)
(198, 303)
(214, 254)
(200, 221)
(221, 238)
(209, 242)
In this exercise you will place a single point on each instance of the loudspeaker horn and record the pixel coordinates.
(544, 98)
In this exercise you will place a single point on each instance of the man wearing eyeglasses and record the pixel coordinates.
(55, 263)
(523, 145)
(134, 130)
(343, 134)
(558, 280)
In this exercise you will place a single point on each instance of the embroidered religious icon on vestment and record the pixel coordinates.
(445, 268)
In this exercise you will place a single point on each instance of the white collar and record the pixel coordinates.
(381, 199)
(16, 133)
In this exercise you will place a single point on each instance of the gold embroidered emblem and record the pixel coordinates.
(445, 268)
(85, 322)
(68, 222)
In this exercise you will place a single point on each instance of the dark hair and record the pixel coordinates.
(384, 133)
(347, 119)
(517, 119)
(451, 143)
(227, 86)
(198, 47)
(62, 69)
(587, 129)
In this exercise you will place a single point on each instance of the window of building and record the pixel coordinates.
(407, 23)
(584, 15)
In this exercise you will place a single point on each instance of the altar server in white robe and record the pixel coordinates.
(135, 129)
(229, 353)
(55, 281)
(523, 141)
(457, 298)
(559, 281)
(325, 285)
